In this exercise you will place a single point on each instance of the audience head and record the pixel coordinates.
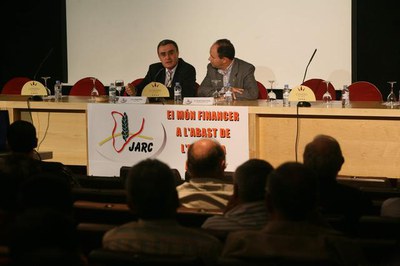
(222, 52)
(206, 158)
(250, 179)
(46, 190)
(168, 53)
(324, 156)
(21, 137)
(151, 190)
(44, 237)
(291, 192)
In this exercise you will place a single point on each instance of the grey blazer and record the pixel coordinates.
(242, 76)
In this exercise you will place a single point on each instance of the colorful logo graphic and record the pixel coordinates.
(121, 129)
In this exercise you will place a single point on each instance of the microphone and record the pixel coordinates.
(305, 72)
(43, 61)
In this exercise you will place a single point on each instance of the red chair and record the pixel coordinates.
(84, 86)
(364, 91)
(134, 84)
(262, 91)
(14, 85)
(318, 86)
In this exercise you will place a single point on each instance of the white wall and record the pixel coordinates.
(113, 39)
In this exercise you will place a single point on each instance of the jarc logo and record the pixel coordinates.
(121, 130)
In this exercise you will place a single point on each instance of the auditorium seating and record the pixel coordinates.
(84, 86)
(364, 91)
(262, 91)
(14, 85)
(103, 257)
(318, 86)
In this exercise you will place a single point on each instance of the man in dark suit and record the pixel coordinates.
(225, 67)
(168, 71)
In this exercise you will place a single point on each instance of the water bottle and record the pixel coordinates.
(228, 94)
(177, 93)
(345, 96)
(286, 93)
(58, 91)
(112, 95)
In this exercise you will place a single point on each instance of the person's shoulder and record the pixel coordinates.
(156, 66)
(243, 63)
(185, 64)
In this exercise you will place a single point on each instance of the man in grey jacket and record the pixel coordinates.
(225, 67)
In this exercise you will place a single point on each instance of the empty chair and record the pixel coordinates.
(262, 91)
(364, 91)
(84, 86)
(14, 85)
(318, 86)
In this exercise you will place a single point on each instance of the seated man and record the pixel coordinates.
(170, 70)
(22, 141)
(152, 196)
(324, 156)
(224, 66)
(247, 208)
(292, 233)
(205, 189)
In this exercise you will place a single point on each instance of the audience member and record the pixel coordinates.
(21, 139)
(226, 67)
(45, 237)
(324, 156)
(391, 207)
(14, 170)
(168, 71)
(291, 234)
(46, 190)
(247, 209)
(205, 188)
(152, 196)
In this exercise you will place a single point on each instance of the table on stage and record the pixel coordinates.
(368, 132)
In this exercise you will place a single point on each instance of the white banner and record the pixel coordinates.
(122, 135)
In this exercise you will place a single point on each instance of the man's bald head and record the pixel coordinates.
(206, 158)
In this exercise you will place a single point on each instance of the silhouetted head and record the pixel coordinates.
(21, 137)
(250, 179)
(324, 156)
(151, 190)
(292, 192)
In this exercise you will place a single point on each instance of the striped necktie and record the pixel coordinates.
(168, 81)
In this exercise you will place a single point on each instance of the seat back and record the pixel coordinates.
(84, 86)
(318, 86)
(134, 84)
(115, 258)
(262, 91)
(364, 91)
(14, 85)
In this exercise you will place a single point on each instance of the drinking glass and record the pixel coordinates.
(119, 86)
(94, 93)
(391, 98)
(327, 97)
(45, 85)
(271, 94)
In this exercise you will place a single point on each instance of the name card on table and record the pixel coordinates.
(133, 99)
(198, 101)
(301, 93)
(34, 88)
(155, 90)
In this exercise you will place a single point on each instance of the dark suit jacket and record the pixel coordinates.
(185, 74)
(242, 76)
